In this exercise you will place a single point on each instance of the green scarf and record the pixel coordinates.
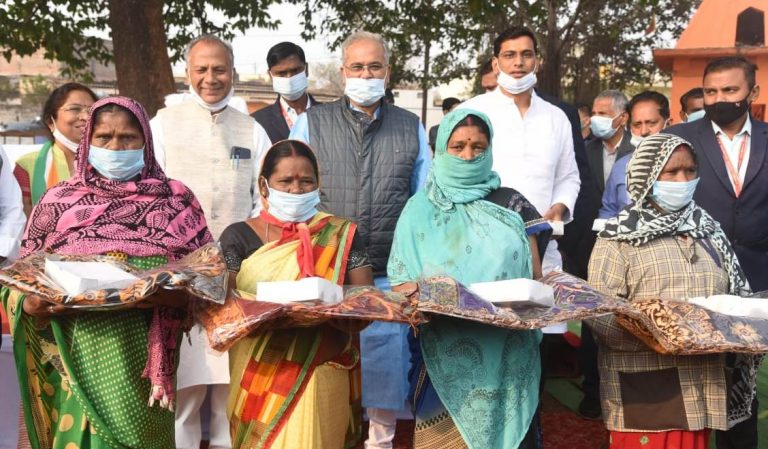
(493, 243)
(486, 378)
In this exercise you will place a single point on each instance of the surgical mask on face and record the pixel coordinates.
(62, 139)
(693, 116)
(291, 88)
(635, 140)
(116, 165)
(726, 112)
(212, 107)
(517, 85)
(292, 207)
(673, 196)
(365, 92)
(602, 127)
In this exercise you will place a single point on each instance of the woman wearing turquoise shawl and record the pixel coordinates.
(474, 385)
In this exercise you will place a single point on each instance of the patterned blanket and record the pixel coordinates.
(669, 327)
(202, 273)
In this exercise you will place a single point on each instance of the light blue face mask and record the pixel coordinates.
(673, 196)
(697, 115)
(292, 207)
(116, 165)
(602, 127)
(365, 92)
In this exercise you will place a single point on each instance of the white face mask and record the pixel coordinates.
(693, 116)
(673, 196)
(602, 127)
(365, 92)
(635, 141)
(212, 107)
(292, 207)
(62, 139)
(514, 85)
(291, 88)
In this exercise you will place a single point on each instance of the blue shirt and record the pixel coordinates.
(421, 166)
(616, 196)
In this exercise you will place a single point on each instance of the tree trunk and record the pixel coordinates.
(140, 52)
(425, 83)
(551, 83)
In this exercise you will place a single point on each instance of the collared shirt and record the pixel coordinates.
(12, 219)
(609, 158)
(732, 147)
(261, 143)
(532, 154)
(289, 113)
(615, 195)
(662, 268)
(421, 166)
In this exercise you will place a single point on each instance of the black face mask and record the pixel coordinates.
(726, 112)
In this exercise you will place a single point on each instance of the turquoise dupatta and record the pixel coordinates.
(487, 378)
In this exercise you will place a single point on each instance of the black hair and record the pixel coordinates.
(473, 120)
(450, 102)
(113, 108)
(486, 68)
(58, 97)
(583, 107)
(282, 51)
(288, 148)
(513, 33)
(649, 95)
(696, 92)
(733, 62)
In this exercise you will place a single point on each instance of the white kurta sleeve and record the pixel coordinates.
(12, 219)
(261, 144)
(157, 140)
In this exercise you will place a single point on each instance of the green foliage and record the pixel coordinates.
(582, 35)
(60, 27)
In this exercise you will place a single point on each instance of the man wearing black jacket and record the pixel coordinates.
(288, 71)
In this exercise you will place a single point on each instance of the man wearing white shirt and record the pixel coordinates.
(731, 149)
(532, 141)
(215, 150)
(12, 219)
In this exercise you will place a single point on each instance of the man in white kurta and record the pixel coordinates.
(532, 141)
(214, 149)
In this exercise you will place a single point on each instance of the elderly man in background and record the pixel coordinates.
(373, 156)
(608, 124)
(648, 115)
(214, 149)
(288, 71)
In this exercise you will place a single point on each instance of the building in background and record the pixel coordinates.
(718, 28)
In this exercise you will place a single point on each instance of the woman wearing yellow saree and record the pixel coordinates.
(295, 387)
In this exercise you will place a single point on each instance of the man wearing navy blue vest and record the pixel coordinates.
(288, 72)
(731, 149)
(373, 156)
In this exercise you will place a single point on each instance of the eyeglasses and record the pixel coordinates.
(375, 68)
(75, 109)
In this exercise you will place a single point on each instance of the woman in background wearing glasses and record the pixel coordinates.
(64, 113)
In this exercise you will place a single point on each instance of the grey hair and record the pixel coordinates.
(618, 99)
(210, 38)
(367, 36)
